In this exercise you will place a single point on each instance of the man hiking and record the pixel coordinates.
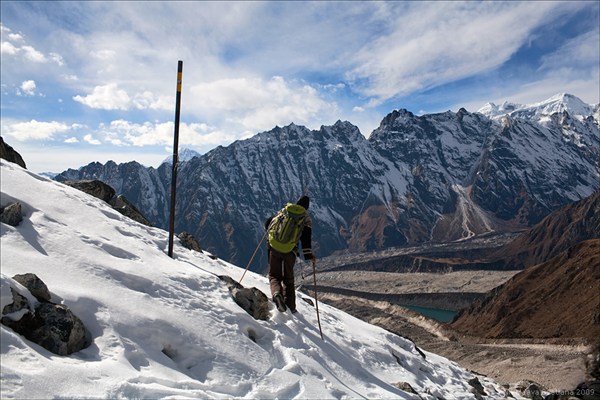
(291, 224)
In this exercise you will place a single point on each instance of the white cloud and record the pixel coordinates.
(435, 43)
(103, 54)
(121, 132)
(256, 104)
(147, 100)
(107, 97)
(91, 140)
(32, 54)
(57, 58)
(15, 37)
(35, 130)
(111, 97)
(573, 68)
(29, 52)
(581, 52)
(72, 139)
(28, 87)
(8, 49)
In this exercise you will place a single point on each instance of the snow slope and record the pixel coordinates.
(168, 328)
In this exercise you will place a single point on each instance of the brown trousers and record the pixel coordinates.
(281, 276)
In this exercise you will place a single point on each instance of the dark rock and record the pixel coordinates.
(252, 300)
(62, 332)
(106, 193)
(478, 389)
(122, 205)
(309, 301)
(11, 214)
(52, 326)
(19, 303)
(189, 241)
(95, 188)
(35, 285)
(10, 154)
(405, 386)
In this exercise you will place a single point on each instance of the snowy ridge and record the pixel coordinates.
(555, 104)
(165, 328)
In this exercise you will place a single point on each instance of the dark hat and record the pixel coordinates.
(303, 201)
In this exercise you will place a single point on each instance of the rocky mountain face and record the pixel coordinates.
(556, 233)
(436, 177)
(555, 299)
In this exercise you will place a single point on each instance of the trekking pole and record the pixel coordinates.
(252, 258)
(317, 301)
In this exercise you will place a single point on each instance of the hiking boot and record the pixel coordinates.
(278, 300)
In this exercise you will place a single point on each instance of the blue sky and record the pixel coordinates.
(95, 81)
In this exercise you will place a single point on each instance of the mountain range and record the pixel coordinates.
(436, 177)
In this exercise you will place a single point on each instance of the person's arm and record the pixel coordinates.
(306, 239)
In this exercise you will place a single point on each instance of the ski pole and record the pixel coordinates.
(314, 263)
(252, 258)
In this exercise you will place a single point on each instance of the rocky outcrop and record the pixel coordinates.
(10, 154)
(252, 300)
(106, 193)
(95, 188)
(11, 214)
(32, 314)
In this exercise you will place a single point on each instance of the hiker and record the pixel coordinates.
(290, 225)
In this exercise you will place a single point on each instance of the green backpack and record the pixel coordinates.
(286, 227)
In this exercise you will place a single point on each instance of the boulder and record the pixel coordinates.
(478, 389)
(35, 286)
(52, 326)
(189, 241)
(252, 300)
(11, 214)
(530, 390)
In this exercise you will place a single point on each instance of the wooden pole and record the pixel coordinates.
(175, 157)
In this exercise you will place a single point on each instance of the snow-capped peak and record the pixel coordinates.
(555, 104)
(184, 155)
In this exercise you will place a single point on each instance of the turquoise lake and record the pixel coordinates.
(434, 313)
